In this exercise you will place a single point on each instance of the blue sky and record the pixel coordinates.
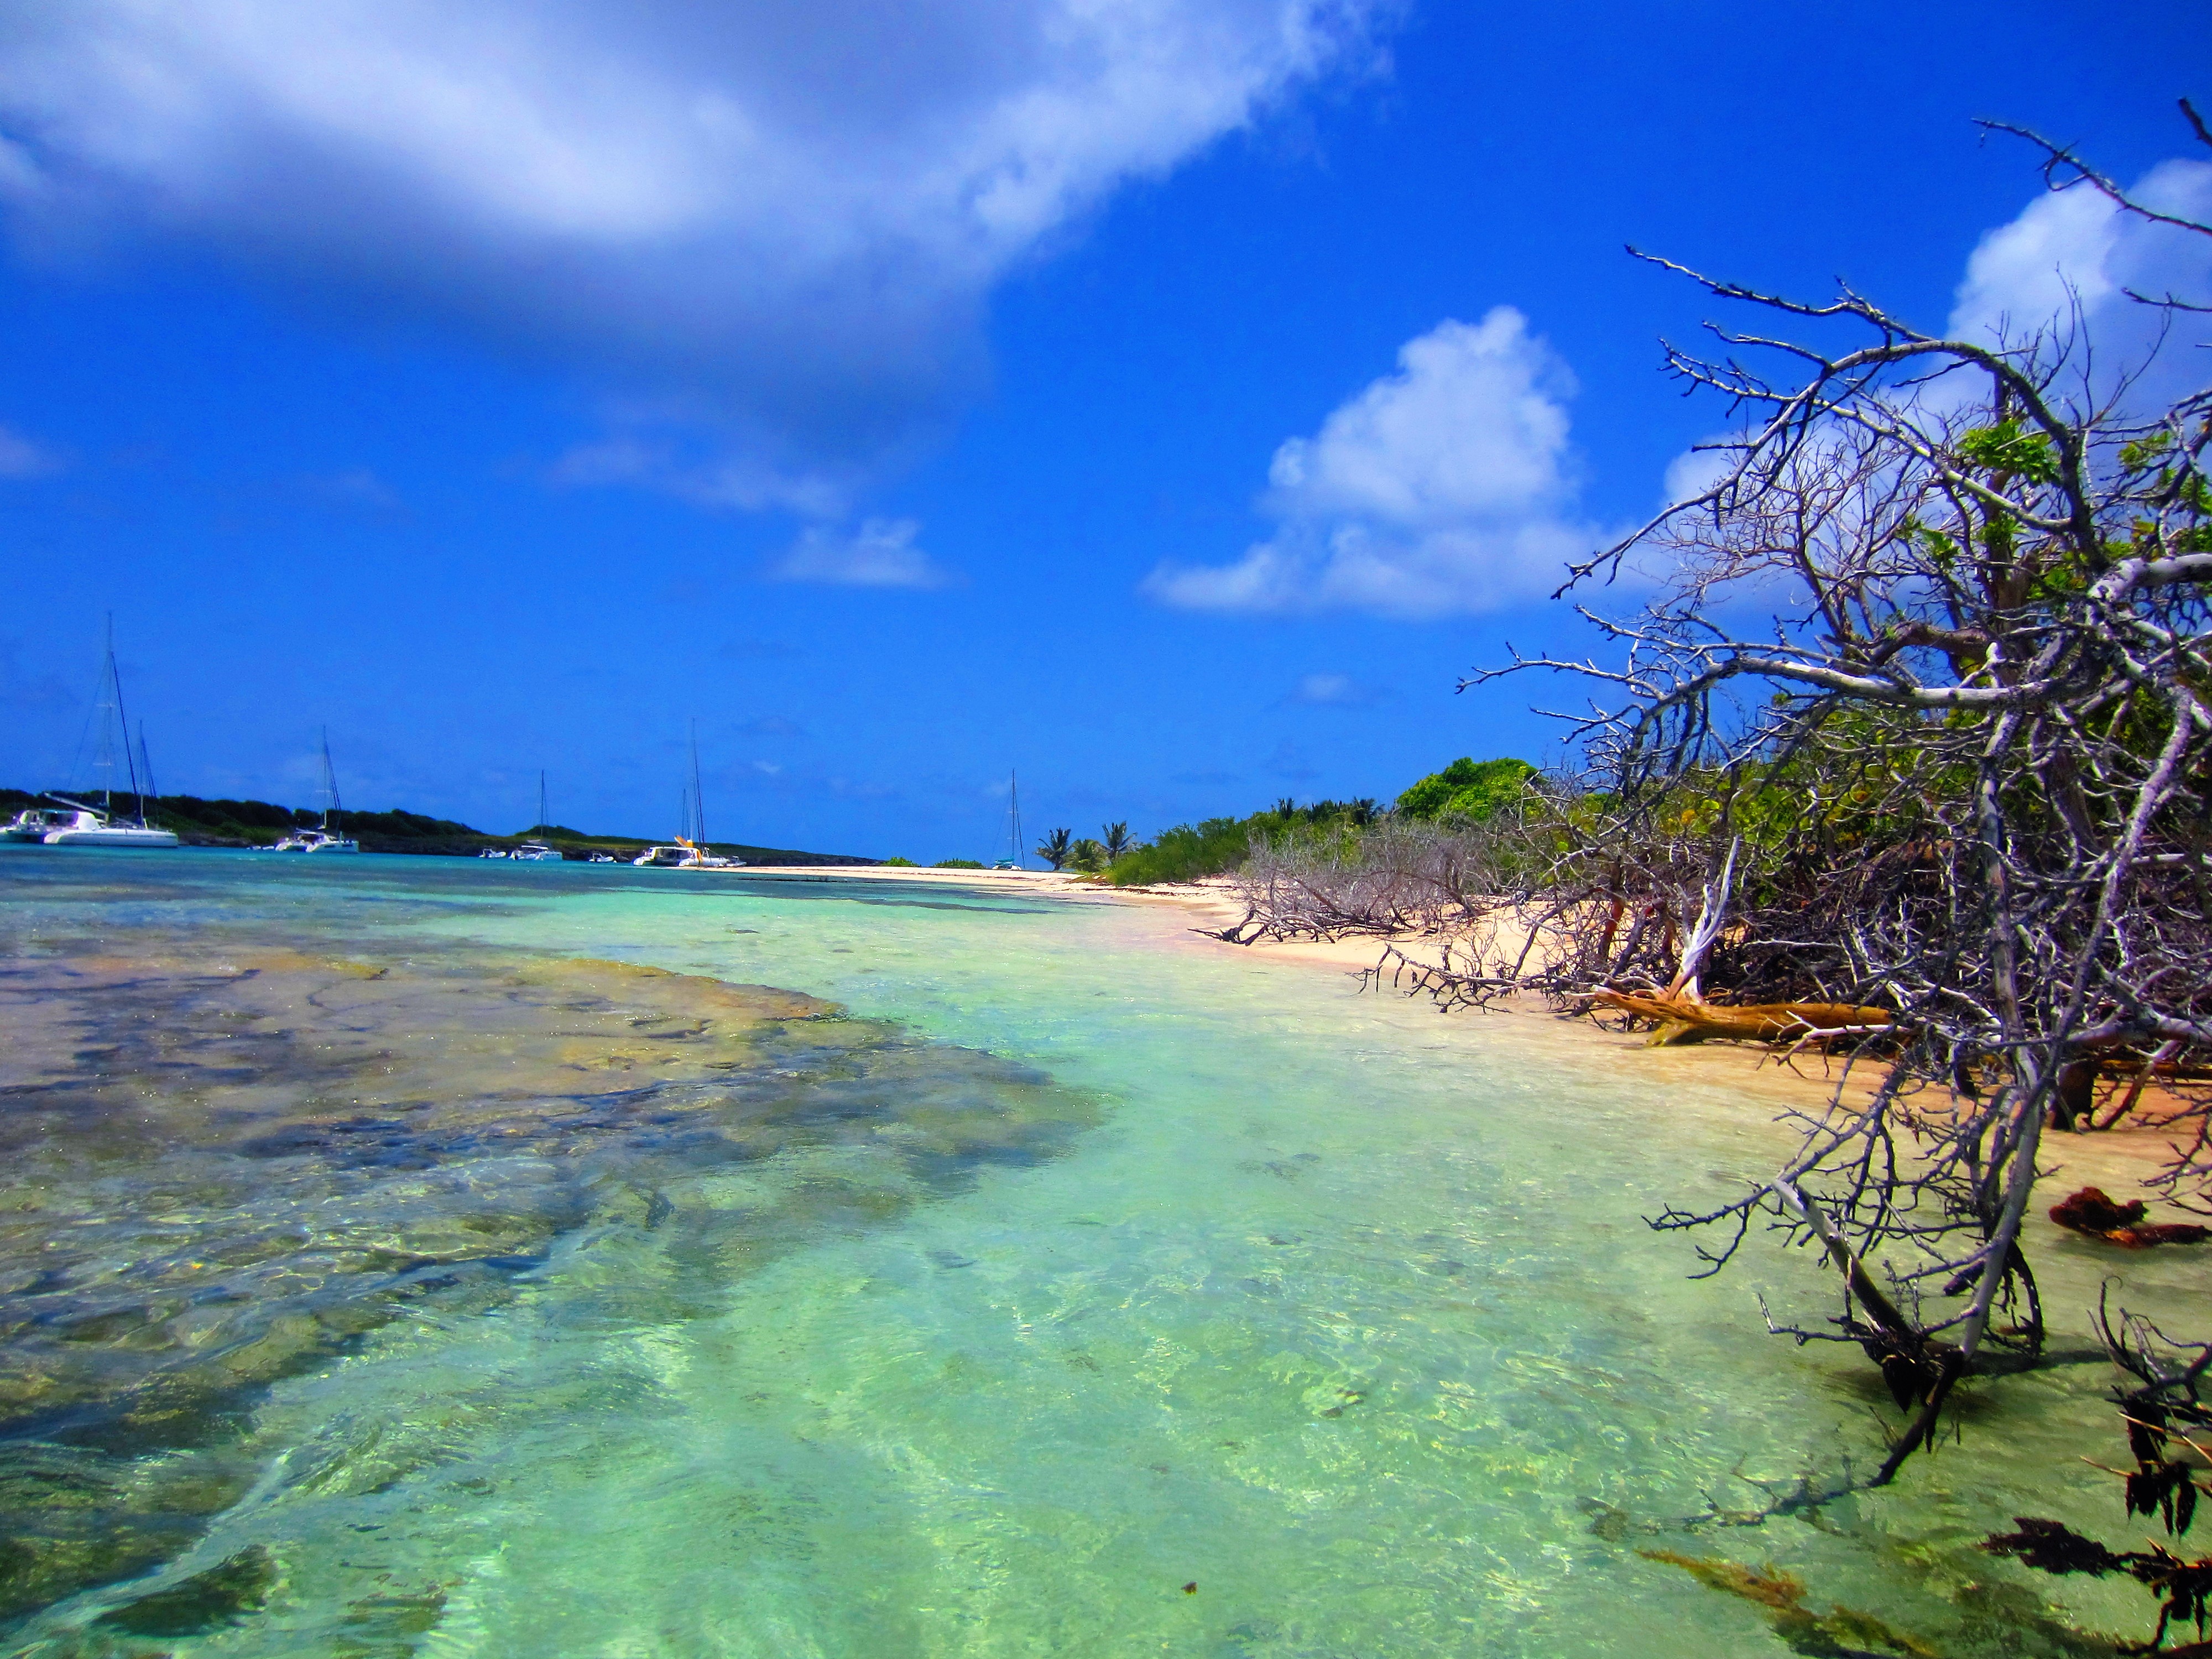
(1170, 399)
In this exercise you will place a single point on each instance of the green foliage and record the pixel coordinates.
(1117, 838)
(958, 864)
(1053, 848)
(900, 864)
(1190, 852)
(1466, 789)
(2010, 447)
(261, 820)
(1088, 855)
(1186, 852)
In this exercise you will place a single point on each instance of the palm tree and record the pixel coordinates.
(1054, 848)
(1117, 838)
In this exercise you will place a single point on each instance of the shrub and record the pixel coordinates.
(1468, 789)
(1186, 852)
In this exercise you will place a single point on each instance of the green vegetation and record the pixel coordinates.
(1054, 847)
(1466, 789)
(900, 864)
(1190, 852)
(958, 864)
(225, 822)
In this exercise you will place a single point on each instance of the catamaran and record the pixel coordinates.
(91, 826)
(534, 851)
(34, 823)
(326, 839)
(102, 825)
(688, 851)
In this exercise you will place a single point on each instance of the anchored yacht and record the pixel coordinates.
(325, 839)
(688, 851)
(34, 822)
(683, 855)
(88, 825)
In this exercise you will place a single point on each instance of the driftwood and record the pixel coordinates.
(1683, 1018)
(2091, 1211)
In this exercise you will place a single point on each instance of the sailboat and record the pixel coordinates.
(1013, 859)
(689, 850)
(35, 824)
(102, 825)
(536, 852)
(326, 839)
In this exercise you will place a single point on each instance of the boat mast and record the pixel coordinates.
(145, 775)
(698, 825)
(1014, 818)
(120, 729)
(330, 784)
(541, 798)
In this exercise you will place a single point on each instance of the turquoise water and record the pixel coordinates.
(1047, 1264)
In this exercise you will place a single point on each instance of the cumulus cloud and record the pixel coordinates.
(2068, 267)
(881, 553)
(2074, 257)
(22, 458)
(1332, 692)
(1446, 487)
(748, 482)
(777, 219)
(359, 488)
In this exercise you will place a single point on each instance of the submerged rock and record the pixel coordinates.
(231, 1165)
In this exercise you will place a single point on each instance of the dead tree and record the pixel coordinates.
(1970, 761)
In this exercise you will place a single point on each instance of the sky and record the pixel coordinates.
(1167, 401)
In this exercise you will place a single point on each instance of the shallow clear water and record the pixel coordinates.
(390, 1266)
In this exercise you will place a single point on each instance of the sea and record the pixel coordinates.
(422, 1256)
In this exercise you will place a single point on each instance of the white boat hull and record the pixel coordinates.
(35, 824)
(112, 835)
(315, 840)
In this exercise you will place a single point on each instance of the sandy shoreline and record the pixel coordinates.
(2119, 1158)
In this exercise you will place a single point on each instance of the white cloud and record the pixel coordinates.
(743, 481)
(22, 458)
(1332, 692)
(1694, 471)
(881, 553)
(777, 220)
(2074, 248)
(358, 488)
(1444, 488)
(2066, 266)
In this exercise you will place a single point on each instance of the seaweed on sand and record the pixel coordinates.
(1840, 1633)
(205, 1601)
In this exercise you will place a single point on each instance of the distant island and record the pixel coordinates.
(201, 823)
